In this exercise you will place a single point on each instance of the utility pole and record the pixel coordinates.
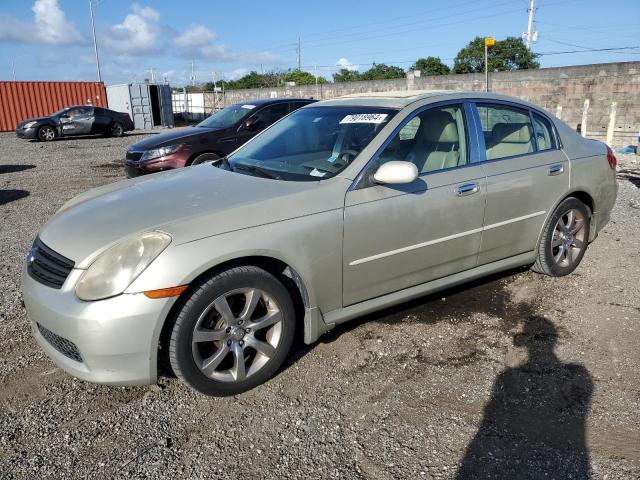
(216, 100)
(488, 42)
(193, 74)
(95, 43)
(152, 74)
(13, 69)
(530, 36)
(298, 55)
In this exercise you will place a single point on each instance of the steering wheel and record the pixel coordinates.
(347, 155)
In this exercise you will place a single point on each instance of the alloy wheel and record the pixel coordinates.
(568, 238)
(116, 130)
(47, 133)
(237, 334)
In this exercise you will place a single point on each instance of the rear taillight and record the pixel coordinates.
(611, 158)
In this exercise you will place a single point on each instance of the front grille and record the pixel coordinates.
(133, 157)
(61, 344)
(48, 267)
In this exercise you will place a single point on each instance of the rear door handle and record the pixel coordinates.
(556, 169)
(467, 189)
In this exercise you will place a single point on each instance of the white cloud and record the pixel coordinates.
(345, 63)
(195, 36)
(50, 26)
(138, 34)
(199, 43)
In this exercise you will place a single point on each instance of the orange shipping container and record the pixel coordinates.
(21, 100)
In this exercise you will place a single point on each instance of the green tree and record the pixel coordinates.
(508, 54)
(431, 66)
(346, 75)
(300, 77)
(381, 71)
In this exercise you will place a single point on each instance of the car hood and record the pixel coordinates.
(170, 138)
(188, 204)
(35, 119)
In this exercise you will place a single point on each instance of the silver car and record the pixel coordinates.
(341, 208)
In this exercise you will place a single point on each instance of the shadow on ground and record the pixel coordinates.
(8, 196)
(14, 168)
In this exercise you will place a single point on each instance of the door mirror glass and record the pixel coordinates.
(396, 172)
(249, 124)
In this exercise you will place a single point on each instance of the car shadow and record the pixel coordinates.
(534, 423)
(14, 168)
(461, 300)
(8, 196)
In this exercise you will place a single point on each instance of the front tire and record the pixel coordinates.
(564, 239)
(47, 133)
(205, 157)
(233, 332)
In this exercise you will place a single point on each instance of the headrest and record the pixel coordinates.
(439, 126)
(511, 133)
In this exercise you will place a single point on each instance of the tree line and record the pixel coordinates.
(508, 54)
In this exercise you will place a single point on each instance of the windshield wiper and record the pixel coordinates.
(262, 172)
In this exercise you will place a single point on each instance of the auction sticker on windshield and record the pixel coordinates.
(364, 118)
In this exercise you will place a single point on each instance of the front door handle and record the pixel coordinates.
(467, 189)
(556, 169)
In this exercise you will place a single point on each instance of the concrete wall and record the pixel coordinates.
(561, 91)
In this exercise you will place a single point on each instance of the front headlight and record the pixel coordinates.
(29, 124)
(116, 268)
(159, 152)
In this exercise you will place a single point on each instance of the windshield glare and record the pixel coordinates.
(227, 117)
(313, 143)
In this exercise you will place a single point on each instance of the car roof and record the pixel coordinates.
(402, 98)
(266, 101)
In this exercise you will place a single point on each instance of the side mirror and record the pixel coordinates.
(396, 172)
(249, 124)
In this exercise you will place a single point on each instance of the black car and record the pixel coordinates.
(76, 120)
(211, 139)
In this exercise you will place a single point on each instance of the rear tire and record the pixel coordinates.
(47, 133)
(233, 332)
(205, 157)
(564, 239)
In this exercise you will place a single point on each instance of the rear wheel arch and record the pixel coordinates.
(286, 274)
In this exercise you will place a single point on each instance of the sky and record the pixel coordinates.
(51, 39)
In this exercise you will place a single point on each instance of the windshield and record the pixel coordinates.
(227, 117)
(312, 143)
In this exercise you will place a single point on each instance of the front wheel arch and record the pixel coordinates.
(196, 155)
(286, 274)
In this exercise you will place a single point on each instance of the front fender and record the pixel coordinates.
(310, 245)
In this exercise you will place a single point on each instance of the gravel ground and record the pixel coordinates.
(434, 388)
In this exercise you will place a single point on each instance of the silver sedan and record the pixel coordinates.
(341, 208)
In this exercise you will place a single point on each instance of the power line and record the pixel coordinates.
(612, 49)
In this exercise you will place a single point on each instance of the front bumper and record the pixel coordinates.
(116, 339)
(29, 133)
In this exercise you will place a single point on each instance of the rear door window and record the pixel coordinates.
(544, 136)
(507, 130)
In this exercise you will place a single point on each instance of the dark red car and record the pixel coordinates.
(211, 139)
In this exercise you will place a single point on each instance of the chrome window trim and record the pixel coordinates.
(482, 146)
(362, 180)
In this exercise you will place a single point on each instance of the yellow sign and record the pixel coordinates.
(489, 41)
